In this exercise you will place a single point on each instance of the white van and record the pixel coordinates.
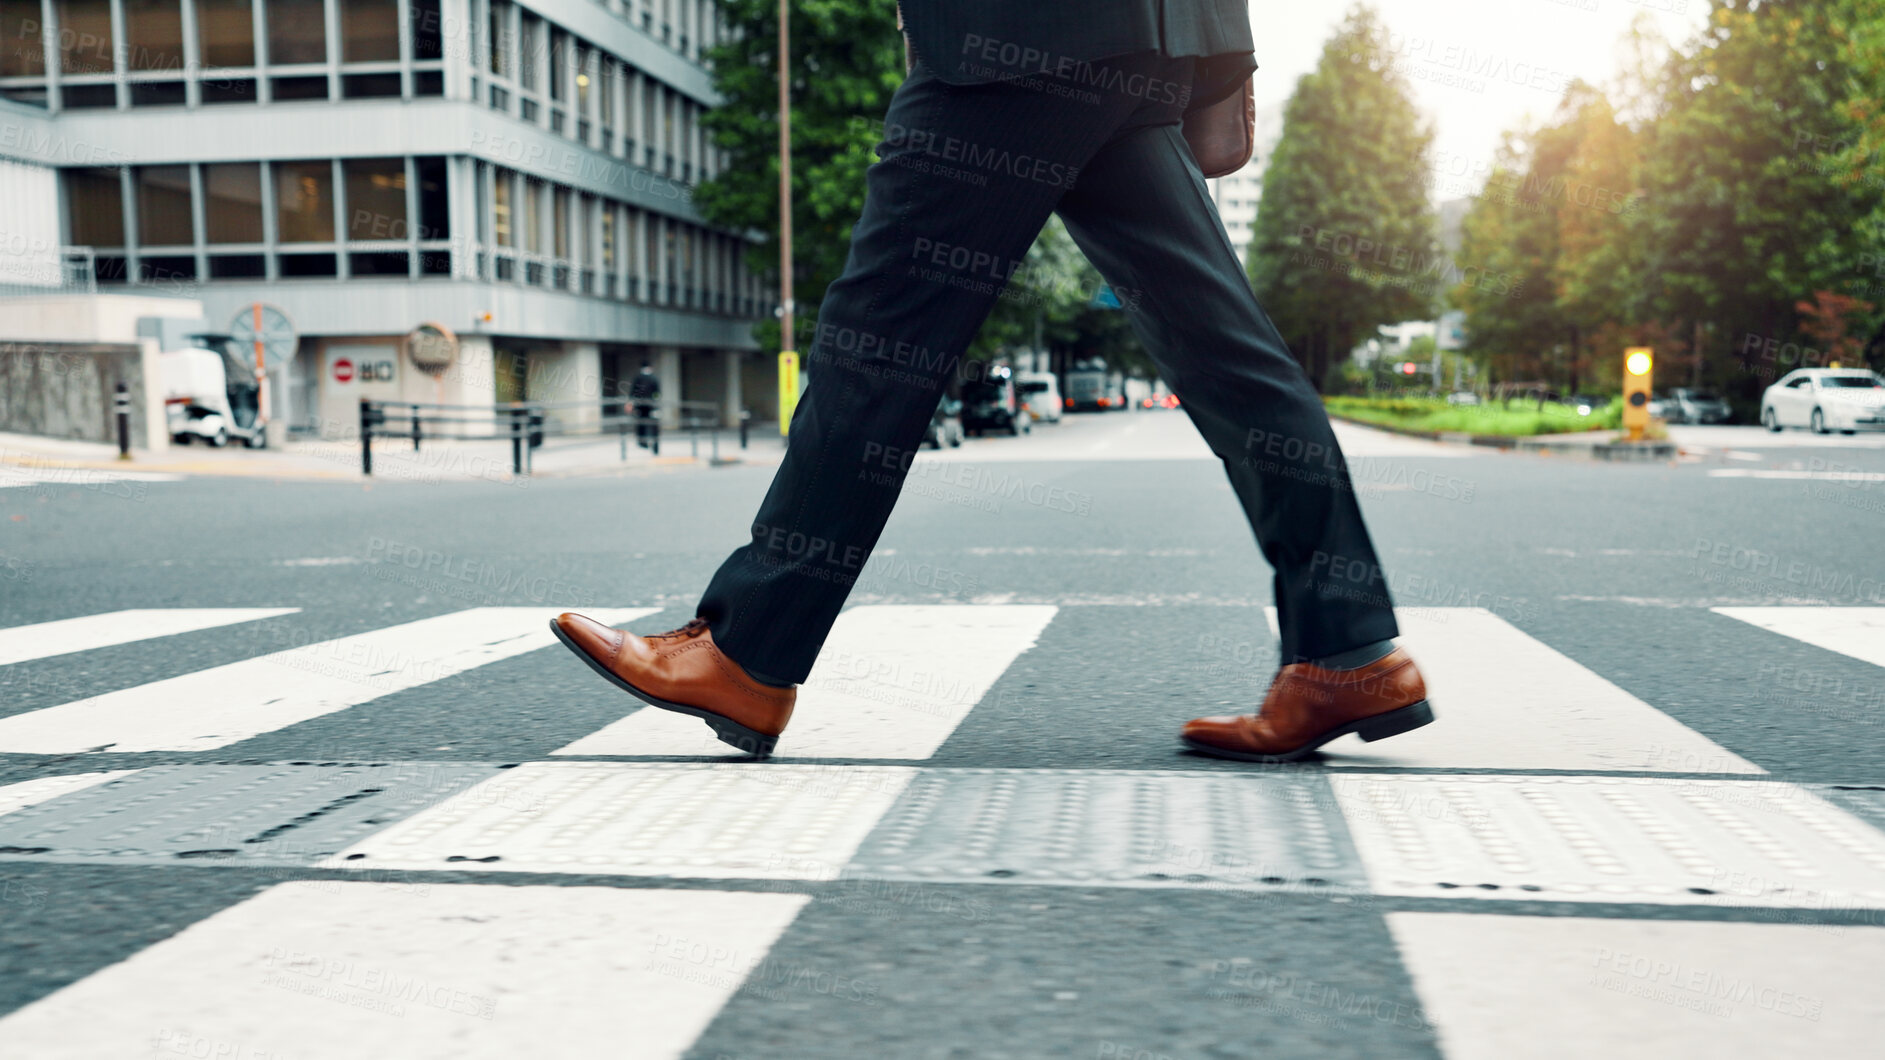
(1040, 393)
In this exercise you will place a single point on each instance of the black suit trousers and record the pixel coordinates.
(968, 175)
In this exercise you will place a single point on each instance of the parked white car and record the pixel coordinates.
(1040, 392)
(1824, 400)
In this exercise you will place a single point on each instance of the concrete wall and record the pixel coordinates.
(66, 391)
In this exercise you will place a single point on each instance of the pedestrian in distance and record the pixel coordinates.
(645, 391)
(1099, 112)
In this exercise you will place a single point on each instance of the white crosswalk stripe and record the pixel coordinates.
(785, 822)
(1497, 987)
(67, 635)
(1510, 701)
(226, 704)
(13, 476)
(454, 972)
(25, 793)
(1855, 631)
(892, 682)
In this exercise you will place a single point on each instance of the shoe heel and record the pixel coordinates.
(1395, 722)
(757, 744)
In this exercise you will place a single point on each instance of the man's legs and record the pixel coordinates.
(1141, 213)
(968, 177)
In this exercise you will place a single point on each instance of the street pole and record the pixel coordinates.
(787, 343)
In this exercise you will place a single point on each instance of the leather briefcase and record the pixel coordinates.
(1222, 136)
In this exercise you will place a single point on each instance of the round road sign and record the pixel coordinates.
(343, 371)
(272, 326)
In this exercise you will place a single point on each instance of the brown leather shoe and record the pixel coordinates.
(1308, 706)
(682, 670)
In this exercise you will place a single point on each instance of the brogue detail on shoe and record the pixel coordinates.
(1308, 705)
(683, 669)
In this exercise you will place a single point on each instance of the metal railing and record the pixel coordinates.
(525, 425)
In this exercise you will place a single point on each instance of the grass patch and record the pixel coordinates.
(1523, 419)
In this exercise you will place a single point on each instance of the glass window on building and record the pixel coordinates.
(608, 235)
(94, 208)
(304, 202)
(297, 32)
(559, 223)
(605, 102)
(376, 198)
(232, 202)
(559, 65)
(22, 53)
(501, 231)
(533, 216)
(163, 206)
(85, 37)
(583, 79)
(434, 201)
(369, 31)
(225, 32)
(500, 37)
(428, 30)
(529, 41)
(153, 33)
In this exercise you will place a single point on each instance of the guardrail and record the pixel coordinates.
(525, 425)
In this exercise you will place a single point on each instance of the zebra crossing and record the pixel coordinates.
(633, 887)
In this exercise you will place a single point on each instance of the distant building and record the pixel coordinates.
(521, 174)
(1237, 195)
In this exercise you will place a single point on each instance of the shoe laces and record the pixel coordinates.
(695, 627)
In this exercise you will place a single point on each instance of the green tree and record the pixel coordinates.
(1752, 199)
(847, 61)
(1345, 237)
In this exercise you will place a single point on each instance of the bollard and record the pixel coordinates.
(745, 415)
(121, 405)
(366, 437)
(517, 442)
(415, 428)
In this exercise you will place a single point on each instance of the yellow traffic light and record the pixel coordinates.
(1637, 362)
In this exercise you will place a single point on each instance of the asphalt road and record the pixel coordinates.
(1107, 590)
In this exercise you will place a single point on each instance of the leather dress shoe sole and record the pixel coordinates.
(1378, 727)
(752, 741)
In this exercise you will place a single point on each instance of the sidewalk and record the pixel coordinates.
(394, 459)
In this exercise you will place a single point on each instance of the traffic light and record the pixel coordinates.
(1637, 363)
(1408, 368)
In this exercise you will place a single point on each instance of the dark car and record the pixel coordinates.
(991, 404)
(945, 425)
(1689, 405)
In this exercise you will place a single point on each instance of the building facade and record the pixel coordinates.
(1237, 194)
(517, 173)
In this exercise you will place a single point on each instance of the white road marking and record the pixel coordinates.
(1496, 987)
(1813, 476)
(1855, 631)
(892, 683)
(227, 704)
(45, 789)
(326, 970)
(1657, 840)
(15, 475)
(689, 820)
(1504, 700)
(46, 639)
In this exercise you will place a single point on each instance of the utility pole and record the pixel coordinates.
(788, 354)
(785, 177)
